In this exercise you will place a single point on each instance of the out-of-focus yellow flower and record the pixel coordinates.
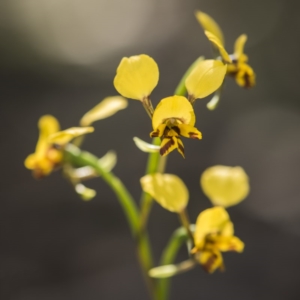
(167, 189)
(48, 154)
(225, 186)
(238, 61)
(214, 234)
(174, 117)
(206, 78)
(46, 157)
(136, 77)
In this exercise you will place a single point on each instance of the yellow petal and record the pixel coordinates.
(159, 131)
(168, 144)
(210, 221)
(189, 131)
(211, 261)
(209, 24)
(206, 78)
(239, 46)
(217, 43)
(106, 108)
(65, 136)
(30, 161)
(180, 147)
(245, 77)
(174, 107)
(146, 147)
(167, 189)
(224, 185)
(136, 76)
(232, 243)
(47, 125)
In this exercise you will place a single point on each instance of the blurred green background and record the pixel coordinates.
(59, 57)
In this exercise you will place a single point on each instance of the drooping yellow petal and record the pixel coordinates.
(245, 76)
(176, 108)
(136, 76)
(168, 144)
(231, 243)
(189, 131)
(217, 43)
(65, 136)
(180, 147)
(211, 260)
(209, 24)
(159, 131)
(239, 46)
(106, 108)
(210, 221)
(224, 185)
(206, 78)
(146, 147)
(167, 189)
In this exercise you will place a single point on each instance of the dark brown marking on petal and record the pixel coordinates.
(207, 266)
(176, 129)
(167, 146)
(193, 135)
(154, 133)
(181, 148)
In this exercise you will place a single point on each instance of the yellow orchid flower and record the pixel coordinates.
(237, 62)
(225, 186)
(214, 234)
(167, 189)
(48, 154)
(174, 117)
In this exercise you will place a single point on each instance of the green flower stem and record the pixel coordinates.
(181, 89)
(178, 238)
(75, 156)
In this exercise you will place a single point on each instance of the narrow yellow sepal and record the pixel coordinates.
(206, 78)
(167, 189)
(106, 108)
(209, 24)
(65, 136)
(239, 46)
(136, 76)
(217, 43)
(225, 186)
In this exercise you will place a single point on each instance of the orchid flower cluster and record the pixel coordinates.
(172, 118)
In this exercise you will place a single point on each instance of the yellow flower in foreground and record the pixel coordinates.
(167, 189)
(214, 234)
(136, 77)
(48, 154)
(225, 186)
(174, 117)
(237, 62)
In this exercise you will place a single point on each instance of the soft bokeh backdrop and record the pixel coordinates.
(59, 57)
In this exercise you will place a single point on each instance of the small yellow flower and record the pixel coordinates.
(48, 154)
(214, 234)
(46, 157)
(237, 62)
(225, 186)
(174, 117)
(167, 189)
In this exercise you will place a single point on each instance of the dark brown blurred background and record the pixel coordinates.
(59, 57)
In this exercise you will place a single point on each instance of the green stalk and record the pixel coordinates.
(75, 156)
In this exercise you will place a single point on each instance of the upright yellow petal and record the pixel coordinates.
(65, 136)
(217, 43)
(175, 107)
(239, 45)
(106, 108)
(209, 24)
(136, 76)
(47, 125)
(225, 186)
(210, 221)
(167, 189)
(206, 78)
